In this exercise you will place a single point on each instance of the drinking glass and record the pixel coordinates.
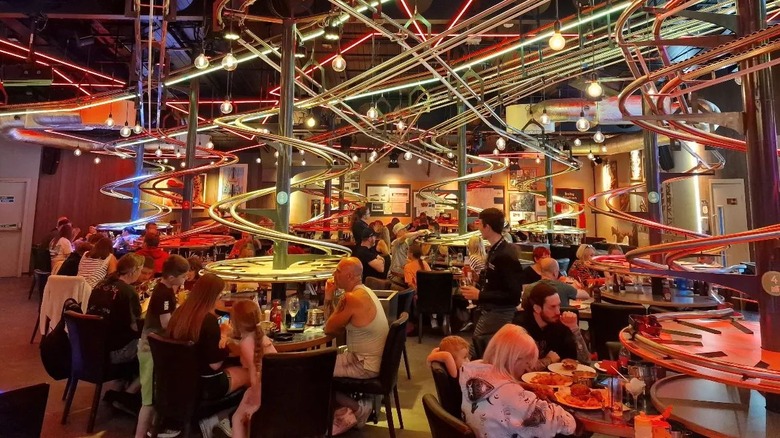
(293, 307)
(465, 280)
(635, 387)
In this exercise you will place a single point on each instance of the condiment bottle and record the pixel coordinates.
(643, 426)
(276, 315)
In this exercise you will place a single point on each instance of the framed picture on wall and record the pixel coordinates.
(232, 181)
(389, 199)
(518, 178)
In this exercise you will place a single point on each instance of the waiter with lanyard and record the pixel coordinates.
(500, 285)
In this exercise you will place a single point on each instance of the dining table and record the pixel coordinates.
(311, 338)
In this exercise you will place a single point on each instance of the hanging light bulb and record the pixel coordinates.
(400, 125)
(276, 154)
(77, 152)
(544, 119)
(450, 155)
(407, 155)
(355, 158)
(183, 164)
(201, 61)
(258, 160)
(590, 155)
(603, 148)
(374, 154)
(500, 144)
(126, 131)
(598, 137)
(538, 160)
(595, 90)
(557, 41)
(276, 163)
(303, 162)
(371, 158)
(506, 161)
(97, 160)
(339, 64)
(165, 160)
(582, 123)
(496, 152)
(231, 35)
(158, 152)
(178, 153)
(212, 163)
(138, 128)
(226, 107)
(110, 120)
(210, 145)
(229, 62)
(311, 122)
(577, 142)
(372, 113)
(419, 161)
(302, 152)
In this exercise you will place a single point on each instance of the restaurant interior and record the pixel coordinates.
(625, 150)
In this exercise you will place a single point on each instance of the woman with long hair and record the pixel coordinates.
(579, 269)
(414, 263)
(496, 402)
(383, 238)
(533, 273)
(359, 222)
(477, 254)
(60, 247)
(98, 262)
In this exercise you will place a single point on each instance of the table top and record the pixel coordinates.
(678, 301)
(303, 341)
(714, 409)
(602, 422)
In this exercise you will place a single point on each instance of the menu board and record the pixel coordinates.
(389, 199)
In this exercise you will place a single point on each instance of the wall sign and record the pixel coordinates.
(6, 199)
(389, 199)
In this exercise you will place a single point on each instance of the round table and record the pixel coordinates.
(602, 422)
(677, 301)
(714, 409)
(303, 341)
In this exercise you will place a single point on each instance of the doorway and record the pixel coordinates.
(13, 205)
(729, 216)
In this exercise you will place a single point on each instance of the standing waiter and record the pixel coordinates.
(500, 285)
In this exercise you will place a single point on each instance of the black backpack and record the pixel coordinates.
(55, 346)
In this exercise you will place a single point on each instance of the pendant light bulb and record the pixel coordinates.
(401, 125)
(419, 161)
(165, 160)
(303, 162)
(495, 151)
(590, 155)
(77, 152)
(598, 137)
(311, 122)
(339, 64)
(97, 160)
(183, 164)
(407, 155)
(557, 42)
(450, 155)
(126, 131)
(258, 160)
(372, 113)
(276, 154)
(544, 119)
(229, 62)
(582, 123)
(506, 161)
(226, 107)
(371, 159)
(595, 90)
(577, 142)
(302, 152)
(178, 153)
(355, 158)
(210, 145)
(500, 144)
(158, 152)
(603, 148)
(138, 128)
(538, 160)
(110, 120)
(201, 61)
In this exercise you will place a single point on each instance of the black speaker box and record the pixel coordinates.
(665, 158)
(50, 160)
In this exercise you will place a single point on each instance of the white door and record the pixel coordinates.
(12, 207)
(729, 215)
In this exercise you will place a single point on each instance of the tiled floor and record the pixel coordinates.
(20, 366)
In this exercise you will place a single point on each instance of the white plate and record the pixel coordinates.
(597, 365)
(528, 378)
(561, 394)
(558, 368)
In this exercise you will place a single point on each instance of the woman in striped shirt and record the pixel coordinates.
(98, 263)
(477, 254)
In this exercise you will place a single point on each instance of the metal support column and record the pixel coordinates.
(189, 155)
(327, 202)
(284, 168)
(135, 212)
(654, 209)
(462, 171)
(762, 174)
(548, 193)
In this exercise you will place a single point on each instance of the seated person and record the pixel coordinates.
(579, 270)
(414, 263)
(117, 302)
(70, 266)
(150, 228)
(146, 281)
(124, 242)
(557, 335)
(533, 273)
(361, 315)
(453, 352)
(196, 265)
(373, 263)
(152, 249)
(399, 251)
(496, 403)
(98, 262)
(550, 272)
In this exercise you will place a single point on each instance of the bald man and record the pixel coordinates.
(550, 271)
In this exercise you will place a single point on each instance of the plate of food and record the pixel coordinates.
(552, 380)
(579, 396)
(567, 366)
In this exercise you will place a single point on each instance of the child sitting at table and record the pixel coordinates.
(253, 344)
(453, 351)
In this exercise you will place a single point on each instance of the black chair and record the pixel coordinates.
(387, 381)
(606, 323)
(177, 385)
(40, 278)
(447, 389)
(405, 299)
(296, 382)
(41, 264)
(22, 411)
(442, 423)
(89, 359)
(434, 295)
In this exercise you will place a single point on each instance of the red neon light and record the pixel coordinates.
(414, 21)
(457, 18)
(60, 61)
(68, 79)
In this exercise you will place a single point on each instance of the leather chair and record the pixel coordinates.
(41, 268)
(405, 299)
(89, 359)
(40, 278)
(375, 283)
(606, 323)
(442, 424)
(434, 295)
(177, 385)
(296, 382)
(22, 411)
(447, 389)
(387, 381)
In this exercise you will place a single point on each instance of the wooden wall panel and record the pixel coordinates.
(74, 191)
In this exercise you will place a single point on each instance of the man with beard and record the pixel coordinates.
(557, 335)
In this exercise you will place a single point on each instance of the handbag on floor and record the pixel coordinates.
(55, 346)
